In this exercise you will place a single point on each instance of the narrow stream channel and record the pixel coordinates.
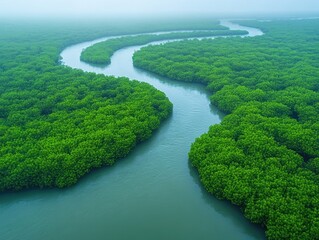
(153, 194)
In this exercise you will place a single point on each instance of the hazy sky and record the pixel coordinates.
(135, 7)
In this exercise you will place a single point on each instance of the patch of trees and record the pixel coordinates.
(102, 52)
(264, 156)
(56, 123)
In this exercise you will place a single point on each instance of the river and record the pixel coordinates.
(153, 194)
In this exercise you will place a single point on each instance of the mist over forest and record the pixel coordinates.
(172, 119)
(147, 8)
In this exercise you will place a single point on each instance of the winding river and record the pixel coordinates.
(153, 194)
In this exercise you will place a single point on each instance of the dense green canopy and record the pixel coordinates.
(264, 156)
(102, 52)
(56, 123)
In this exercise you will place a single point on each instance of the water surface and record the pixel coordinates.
(153, 194)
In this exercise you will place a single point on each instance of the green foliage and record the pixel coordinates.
(56, 123)
(264, 155)
(102, 52)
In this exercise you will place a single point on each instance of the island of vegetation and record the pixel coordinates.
(57, 123)
(102, 52)
(264, 156)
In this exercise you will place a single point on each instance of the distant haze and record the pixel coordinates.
(95, 8)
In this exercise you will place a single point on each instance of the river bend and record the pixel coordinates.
(153, 194)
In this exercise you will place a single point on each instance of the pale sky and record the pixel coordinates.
(135, 7)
